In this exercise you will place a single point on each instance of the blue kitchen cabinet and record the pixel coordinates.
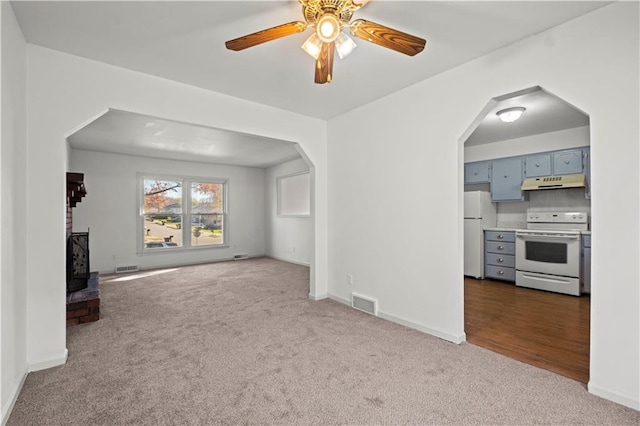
(506, 174)
(586, 155)
(537, 165)
(567, 162)
(499, 255)
(477, 172)
(586, 263)
(506, 179)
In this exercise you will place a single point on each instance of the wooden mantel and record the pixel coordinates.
(75, 188)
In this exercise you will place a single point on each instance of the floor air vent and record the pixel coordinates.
(125, 269)
(364, 304)
(240, 256)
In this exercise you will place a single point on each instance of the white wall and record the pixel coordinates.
(406, 249)
(13, 303)
(110, 209)
(66, 91)
(288, 238)
(395, 185)
(551, 141)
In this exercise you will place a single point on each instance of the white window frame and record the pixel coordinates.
(281, 189)
(186, 182)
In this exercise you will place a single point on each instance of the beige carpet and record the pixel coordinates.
(240, 343)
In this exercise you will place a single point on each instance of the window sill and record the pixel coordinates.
(165, 250)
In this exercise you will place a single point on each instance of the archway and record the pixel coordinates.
(502, 313)
(122, 148)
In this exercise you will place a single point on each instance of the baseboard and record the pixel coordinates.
(180, 264)
(457, 339)
(53, 362)
(613, 396)
(284, 259)
(340, 299)
(319, 297)
(453, 338)
(6, 410)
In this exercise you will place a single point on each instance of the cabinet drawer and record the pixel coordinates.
(500, 247)
(508, 237)
(501, 260)
(501, 273)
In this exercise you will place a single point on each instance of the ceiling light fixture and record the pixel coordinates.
(313, 45)
(509, 115)
(328, 27)
(344, 45)
(329, 18)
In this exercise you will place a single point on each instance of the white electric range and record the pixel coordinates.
(548, 251)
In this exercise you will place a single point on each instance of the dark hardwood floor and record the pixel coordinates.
(544, 329)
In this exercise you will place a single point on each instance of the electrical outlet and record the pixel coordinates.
(349, 279)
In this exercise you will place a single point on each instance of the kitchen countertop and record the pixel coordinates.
(500, 229)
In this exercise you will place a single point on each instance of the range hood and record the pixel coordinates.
(554, 182)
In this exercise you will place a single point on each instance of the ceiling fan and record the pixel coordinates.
(328, 17)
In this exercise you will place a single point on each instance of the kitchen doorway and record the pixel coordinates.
(509, 161)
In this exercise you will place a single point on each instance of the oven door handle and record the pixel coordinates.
(546, 236)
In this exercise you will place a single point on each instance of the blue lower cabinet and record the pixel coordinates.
(499, 256)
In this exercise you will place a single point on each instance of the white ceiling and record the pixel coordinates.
(544, 113)
(122, 132)
(184, 41)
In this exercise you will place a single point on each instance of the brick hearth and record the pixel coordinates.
(84, 305)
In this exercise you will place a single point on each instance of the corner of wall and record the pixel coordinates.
(11, 401)
(49, 363)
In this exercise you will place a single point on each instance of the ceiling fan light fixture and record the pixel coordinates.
(313, 45)
(328, 18)
(328, 28)
(509, 115)
(344, 45)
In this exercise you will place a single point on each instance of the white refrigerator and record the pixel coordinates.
(479, 213)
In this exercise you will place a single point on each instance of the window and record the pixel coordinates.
(185, 212)
(207, 218)
(294, 195)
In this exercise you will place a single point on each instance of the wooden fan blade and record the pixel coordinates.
(264, 36)
(324, 63)
(387, 37)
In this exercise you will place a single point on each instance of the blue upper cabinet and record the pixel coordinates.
(506, 174)
(506, 179)
(586, 152)
(537, 165)
(478, 172)
(567, 162)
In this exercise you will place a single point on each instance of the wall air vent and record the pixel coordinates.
(240, 256)
(125, 269)
(364, 304)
